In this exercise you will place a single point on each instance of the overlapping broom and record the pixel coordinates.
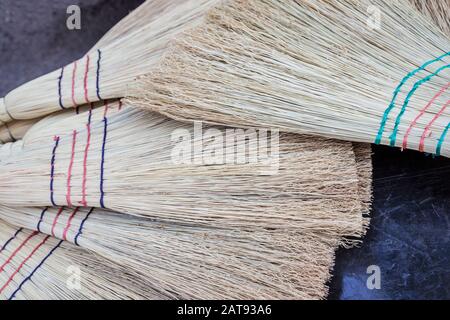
(317, 67)
(35, 266)
(131, 49)
(115, 235)
(128, 162)
(192, 261)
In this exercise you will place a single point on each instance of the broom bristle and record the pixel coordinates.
(105, 73)
(130, 168)
(15, 130)
(316, 67)
(36, 266)
(146, 13)
(437, 10)
(64, 122)
(194, 262)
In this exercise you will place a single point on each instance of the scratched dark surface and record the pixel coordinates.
(409, 237)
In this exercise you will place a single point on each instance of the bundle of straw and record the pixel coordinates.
(310, 173)
(36, 266)
(128, 163)
(437, 10)
(129, 50)
(318, 67)
(140, 34)
(194, 262)
(15, 130)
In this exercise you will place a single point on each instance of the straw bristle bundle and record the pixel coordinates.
(316, 67)
(15, 130)
(146, 13)
(34, 266)
(105, 73)
(437, 10)
(194, 262)
(140, 177)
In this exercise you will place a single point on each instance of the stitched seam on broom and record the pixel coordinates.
(80, 230)
(34, 270)
(422, 112)
(102, 165)
(58, 214)
(416, 86)
(69, 171)
(23, 263)
(74, 72)
(60, 89)
(69, 223)
(427, 128)
(86, 73)
(11, 239)
(86, 151)
(52, 170)
(13, 254)
(397, 91)
(98, 74)
(41, 219)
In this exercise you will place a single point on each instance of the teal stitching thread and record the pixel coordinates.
(416, 86)
(441, 140)
(397, 91)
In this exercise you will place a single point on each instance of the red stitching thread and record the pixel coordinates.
(74, 72)
(23, 263)
(422, 112)
(86, 72)
(69, 174)
(69, 223)
(60, 210)
(427, 128)
(86, 151)
(17, 250)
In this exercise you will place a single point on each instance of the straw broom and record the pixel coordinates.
(105, 73)
(138, 18)
(316, 67)
(116, 243)
(195, 262)
(437, 10)
(133, 28)
(34, 266)
(15, 130)
(62, 123)
(131, 169)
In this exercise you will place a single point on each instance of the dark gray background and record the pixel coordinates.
(409, 237)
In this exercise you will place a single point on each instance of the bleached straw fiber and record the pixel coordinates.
(104, 73)
(34, 266)
(194, 262)
(368, 71)
(437, 10)
(131, 162)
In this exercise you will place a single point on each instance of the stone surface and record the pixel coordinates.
(409, 237)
